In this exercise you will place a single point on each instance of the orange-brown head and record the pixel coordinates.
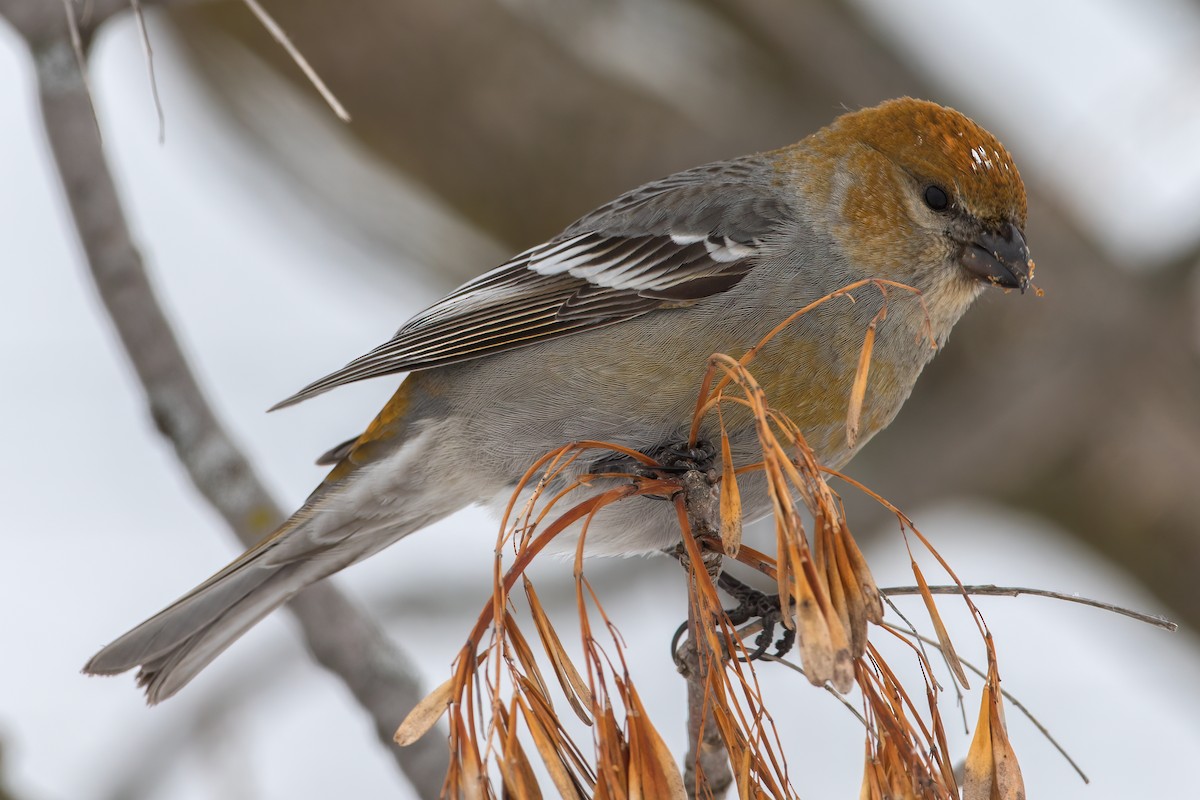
(908, 186)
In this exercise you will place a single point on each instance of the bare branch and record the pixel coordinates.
(991, 590)
(340, 637)
(706, 755)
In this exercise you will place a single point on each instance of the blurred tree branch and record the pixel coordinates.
(1080, 405)
(340, 637)
(5, 794)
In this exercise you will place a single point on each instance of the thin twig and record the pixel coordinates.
(960, 699)
(339, 636)
(136, 5)
(280, 36)
(826, 686)
(990, 590)
(1007, 696)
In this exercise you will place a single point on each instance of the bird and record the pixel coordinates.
(603, 333)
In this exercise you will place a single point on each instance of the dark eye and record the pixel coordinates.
(936, 197)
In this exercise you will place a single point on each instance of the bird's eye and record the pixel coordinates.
(936, 197)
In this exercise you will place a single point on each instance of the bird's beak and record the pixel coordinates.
(1000, 258)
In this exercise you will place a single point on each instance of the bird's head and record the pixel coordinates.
(916, 192)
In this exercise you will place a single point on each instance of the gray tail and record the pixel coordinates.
(174, 645)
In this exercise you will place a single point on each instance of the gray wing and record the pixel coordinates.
(668, 243)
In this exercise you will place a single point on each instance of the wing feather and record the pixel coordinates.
(679, 240)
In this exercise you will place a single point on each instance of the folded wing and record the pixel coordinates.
(668, 243)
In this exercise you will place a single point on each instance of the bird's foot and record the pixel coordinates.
(670, 460)
(752, 604)
(683, 457)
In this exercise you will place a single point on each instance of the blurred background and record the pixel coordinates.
(1055, 443)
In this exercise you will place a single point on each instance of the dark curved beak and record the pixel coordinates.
(1000, 258)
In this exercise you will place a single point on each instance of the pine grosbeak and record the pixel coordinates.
(603, 333)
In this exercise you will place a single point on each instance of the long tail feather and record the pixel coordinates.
(341, 523)
(174, 645)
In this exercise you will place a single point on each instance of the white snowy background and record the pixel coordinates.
(100, 528)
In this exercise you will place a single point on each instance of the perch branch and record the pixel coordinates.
(706, 755)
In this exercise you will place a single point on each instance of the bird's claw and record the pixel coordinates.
(684, 457)
(752, 604)
(669, 459)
